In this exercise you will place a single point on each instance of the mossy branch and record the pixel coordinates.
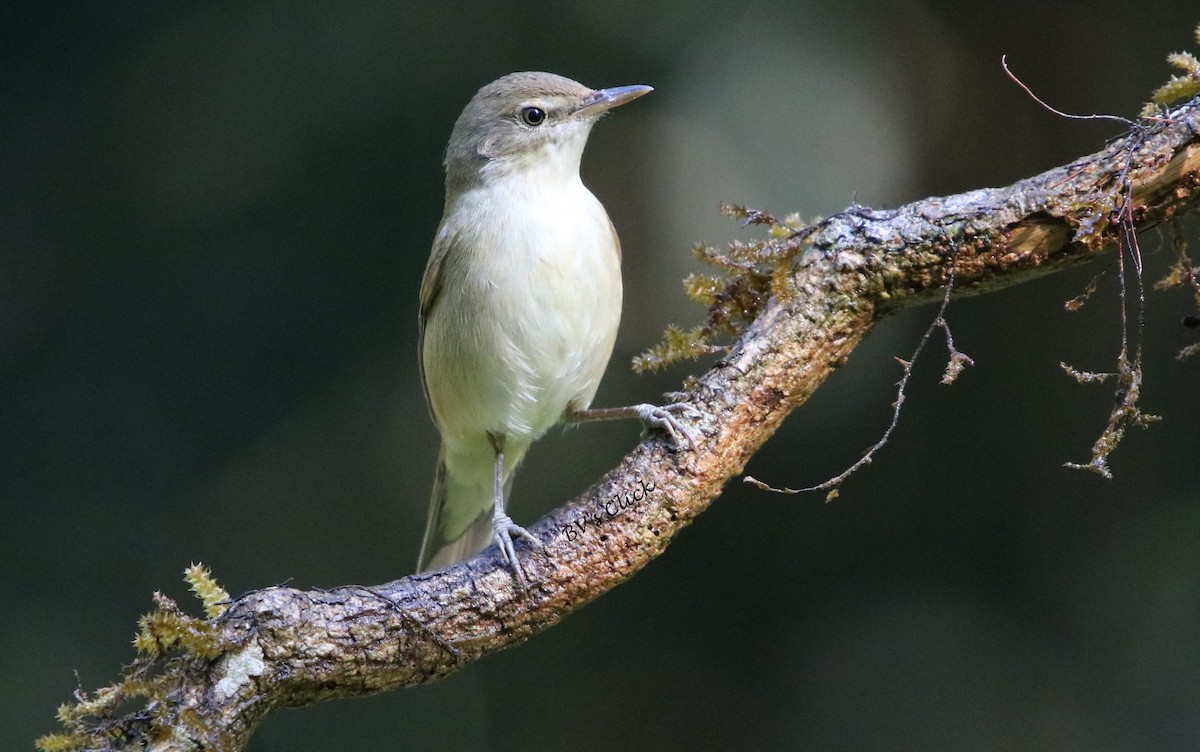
(220, 676)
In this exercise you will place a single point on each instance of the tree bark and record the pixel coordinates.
(286, 647)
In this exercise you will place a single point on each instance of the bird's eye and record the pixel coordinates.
(533, 116)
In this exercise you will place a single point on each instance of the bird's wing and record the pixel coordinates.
(431, 290)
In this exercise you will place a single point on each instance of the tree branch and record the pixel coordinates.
(285, 647)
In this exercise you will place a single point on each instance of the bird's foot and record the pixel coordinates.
(503, 529)
(664, 418)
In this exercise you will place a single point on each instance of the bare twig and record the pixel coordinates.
(953, 368)
(1056, 111)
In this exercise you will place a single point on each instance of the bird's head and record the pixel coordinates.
(528, 122)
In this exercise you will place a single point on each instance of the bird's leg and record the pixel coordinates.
(664, 417)
(503, 527)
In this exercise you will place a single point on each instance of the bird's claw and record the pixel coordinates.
(503, 529)
(664, 418)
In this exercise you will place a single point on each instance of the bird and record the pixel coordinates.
(519, 304)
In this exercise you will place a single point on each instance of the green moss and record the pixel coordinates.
(1178, 88)
(750, 274)
(166, 636)
(214, 597)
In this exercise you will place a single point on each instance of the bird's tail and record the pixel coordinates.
(460, 513)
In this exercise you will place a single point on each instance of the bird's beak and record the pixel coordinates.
(603, 100)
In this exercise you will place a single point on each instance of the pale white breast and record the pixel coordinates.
(529, 309)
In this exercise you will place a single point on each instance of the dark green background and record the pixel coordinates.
(213, 222)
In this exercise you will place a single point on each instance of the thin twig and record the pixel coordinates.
(955, 365)
(1060, 113)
